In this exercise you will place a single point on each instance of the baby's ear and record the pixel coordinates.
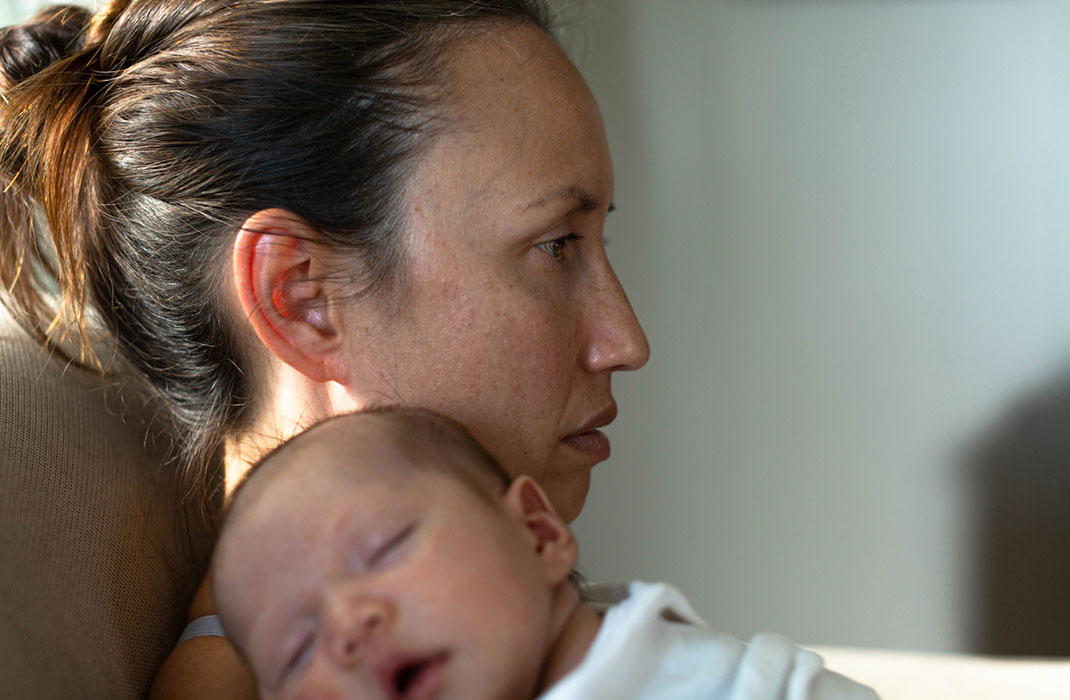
(553, 542)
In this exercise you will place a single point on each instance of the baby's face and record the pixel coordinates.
(390, 582)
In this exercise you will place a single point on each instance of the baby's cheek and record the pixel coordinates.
(319, 683)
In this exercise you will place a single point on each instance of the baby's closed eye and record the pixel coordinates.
(383, 553)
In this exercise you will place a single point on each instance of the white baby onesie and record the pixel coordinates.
(652, 646)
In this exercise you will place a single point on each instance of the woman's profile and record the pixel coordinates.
(281, 210)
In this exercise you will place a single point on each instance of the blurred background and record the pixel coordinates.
(844, 228)
(844, 225)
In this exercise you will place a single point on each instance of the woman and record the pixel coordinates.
(286, 209)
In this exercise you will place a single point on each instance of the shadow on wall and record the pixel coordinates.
(1022, 582)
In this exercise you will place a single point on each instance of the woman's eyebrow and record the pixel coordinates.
(586, 202)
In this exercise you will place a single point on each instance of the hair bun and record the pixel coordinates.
(50, 35)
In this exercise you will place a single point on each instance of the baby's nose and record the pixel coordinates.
(356, 622)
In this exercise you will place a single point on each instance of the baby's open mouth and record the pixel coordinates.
(419, 678)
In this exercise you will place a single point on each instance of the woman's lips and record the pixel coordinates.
(593, 443)
(588, 439)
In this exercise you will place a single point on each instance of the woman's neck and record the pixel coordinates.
(239, 454)
(292, 404)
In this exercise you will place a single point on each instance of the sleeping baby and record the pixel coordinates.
(386, 555)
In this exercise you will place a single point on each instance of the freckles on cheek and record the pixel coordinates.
(543, 365)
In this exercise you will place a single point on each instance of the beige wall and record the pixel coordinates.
(844, 226)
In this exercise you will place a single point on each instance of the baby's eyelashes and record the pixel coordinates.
(382, 554)
(299, 655)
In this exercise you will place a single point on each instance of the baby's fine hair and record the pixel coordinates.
(427, 439)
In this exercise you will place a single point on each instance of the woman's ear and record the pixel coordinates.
(279, 273)
(553, 542)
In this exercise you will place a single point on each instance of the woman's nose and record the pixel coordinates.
(355, 622)
(615, 339)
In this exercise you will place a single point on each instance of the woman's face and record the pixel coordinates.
(511, 320)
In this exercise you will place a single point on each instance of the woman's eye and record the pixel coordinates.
(557, 248)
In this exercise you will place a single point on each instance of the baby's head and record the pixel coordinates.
(387, 555)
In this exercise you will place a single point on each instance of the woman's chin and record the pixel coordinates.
(569, 490)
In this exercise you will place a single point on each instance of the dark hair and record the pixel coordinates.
(135, 142)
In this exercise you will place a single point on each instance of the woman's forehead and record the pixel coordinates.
(522, 123)
(497, 70)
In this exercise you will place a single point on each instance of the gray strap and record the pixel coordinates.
(207, 626)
